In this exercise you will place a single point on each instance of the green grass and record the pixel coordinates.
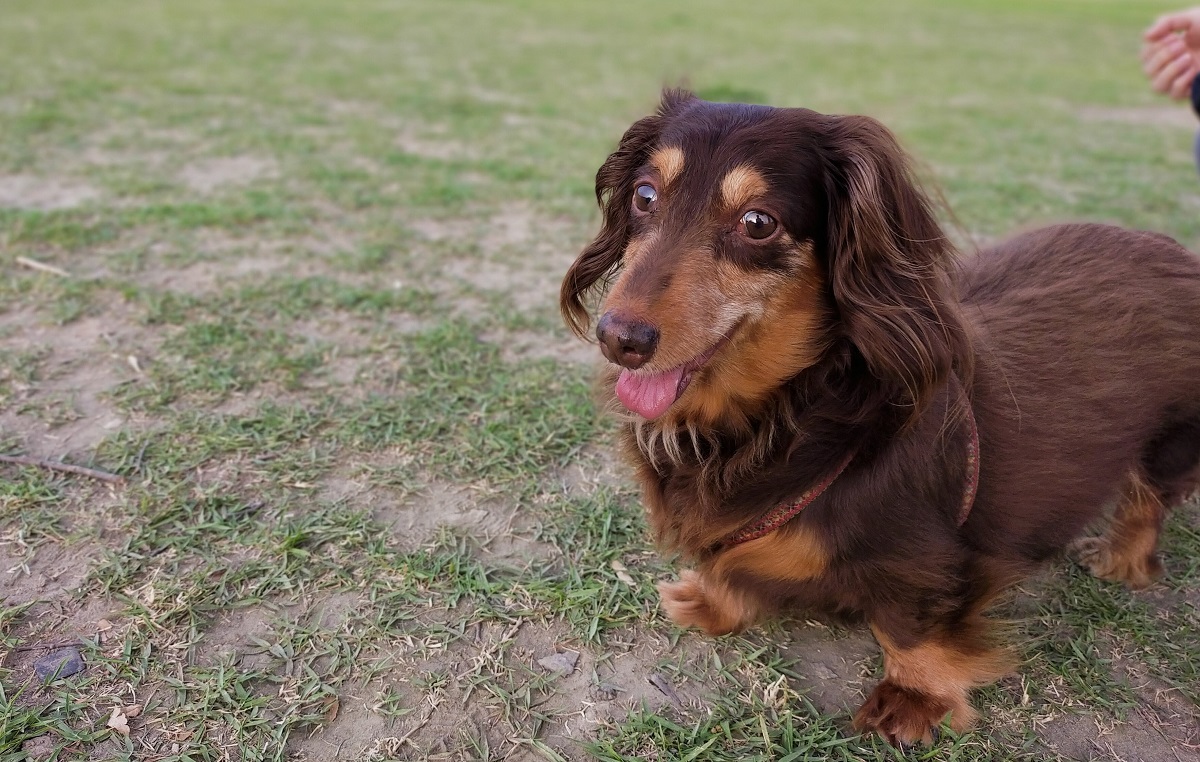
(312, 254)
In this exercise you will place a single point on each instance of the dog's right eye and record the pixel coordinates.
(645, 198)
(759, 225)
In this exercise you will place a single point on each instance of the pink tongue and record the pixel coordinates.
(648, 395)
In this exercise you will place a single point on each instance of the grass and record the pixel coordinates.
(313, 255)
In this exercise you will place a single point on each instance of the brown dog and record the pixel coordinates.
(827, 410)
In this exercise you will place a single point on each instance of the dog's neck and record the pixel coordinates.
(701, 482)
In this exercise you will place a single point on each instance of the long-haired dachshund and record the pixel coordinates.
(826, 409)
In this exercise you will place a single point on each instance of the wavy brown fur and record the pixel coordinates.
(1077, 348)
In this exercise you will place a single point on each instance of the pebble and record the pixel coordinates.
(563, 663)
(61, 663)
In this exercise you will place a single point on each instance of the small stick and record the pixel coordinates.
(665, 688)
(49, 646)
(33, 264)
(407, 736)
(137, 462)
(91, 473)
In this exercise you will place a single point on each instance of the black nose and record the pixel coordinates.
(629, 343)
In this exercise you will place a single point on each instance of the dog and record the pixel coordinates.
(827, 408)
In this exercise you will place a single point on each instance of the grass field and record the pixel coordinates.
(308, 261)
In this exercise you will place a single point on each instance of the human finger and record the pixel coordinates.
(1156, 55)
(1157, 66)
(1165, 76)
(1181, 86)
(1166, 25)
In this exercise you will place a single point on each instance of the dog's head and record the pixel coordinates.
(742, 245)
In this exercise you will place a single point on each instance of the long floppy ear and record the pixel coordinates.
(890, 263)
(596, 263)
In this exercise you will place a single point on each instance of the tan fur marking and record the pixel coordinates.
(668, 160)
(923, 684)
(637, 247)
(781, 337)
(791, 555)
(703, 598)
(1128, 550)
(938, 668)
(742, 185)
(696, 600)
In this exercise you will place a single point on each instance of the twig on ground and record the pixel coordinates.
(91, 473)
(665, 688)
(398, 743)
(48, 646)
(33, 264)
(141, 453)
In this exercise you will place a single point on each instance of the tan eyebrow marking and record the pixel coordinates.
(639, 246)
(669, 163)
(741, 186)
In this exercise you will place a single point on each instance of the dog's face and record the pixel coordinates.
(735, 240)
(721, 292)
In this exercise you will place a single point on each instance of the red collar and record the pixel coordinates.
(785, 512)
(972, 485)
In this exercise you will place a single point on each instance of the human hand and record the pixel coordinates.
(1171, 53)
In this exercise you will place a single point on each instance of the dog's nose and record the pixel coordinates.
(629, 343)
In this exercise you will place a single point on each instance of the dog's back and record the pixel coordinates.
(1087, 377)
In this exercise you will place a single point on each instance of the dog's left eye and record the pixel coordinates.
(644, 198)
(758, 225)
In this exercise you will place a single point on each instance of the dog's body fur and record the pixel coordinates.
(851, 331)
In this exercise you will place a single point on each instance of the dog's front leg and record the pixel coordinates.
(700, 600)
(927, 681)
(707, 598)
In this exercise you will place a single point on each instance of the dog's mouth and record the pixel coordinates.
(650, 394)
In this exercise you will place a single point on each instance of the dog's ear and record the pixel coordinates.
(596, 263)
(889, 262)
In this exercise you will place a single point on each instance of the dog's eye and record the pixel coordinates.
(645, 198)
(759, 225)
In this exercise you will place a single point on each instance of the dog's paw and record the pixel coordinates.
(1100, 557)
(688, 605)
(904, 717)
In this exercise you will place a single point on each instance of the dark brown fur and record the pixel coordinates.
(1077, 348)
